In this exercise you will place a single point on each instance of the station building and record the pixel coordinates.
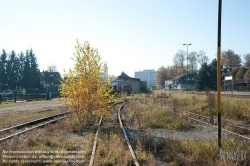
(125, 83)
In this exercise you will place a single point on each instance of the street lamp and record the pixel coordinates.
(47, 81)
(187, 65)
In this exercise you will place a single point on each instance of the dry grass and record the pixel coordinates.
(191, 152)
(231, 108)
(111, 146)
(9, 118)
(65, 135)
(143, 116)
(112, 150)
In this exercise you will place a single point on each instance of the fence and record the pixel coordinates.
(236, 88)
(244, 90)
(19, 97)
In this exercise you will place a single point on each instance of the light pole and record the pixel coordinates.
(47, 81)
(187, 65)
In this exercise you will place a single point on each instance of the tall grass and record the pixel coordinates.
(112, 150)
(189, 152)
(231, 107)
(142, 117)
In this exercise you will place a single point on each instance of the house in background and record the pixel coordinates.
(182, 82)
(126, 83)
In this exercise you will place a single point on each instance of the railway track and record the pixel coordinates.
(16, 130)
(124, 132)
(195, 118)
(241, 132)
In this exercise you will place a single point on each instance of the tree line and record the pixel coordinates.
(232, 64)
(19, 70)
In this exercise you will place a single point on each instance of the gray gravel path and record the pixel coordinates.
(34, 106)
(200, 132)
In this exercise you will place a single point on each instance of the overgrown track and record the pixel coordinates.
(240, 132)
(126, 137)
(200, 119)
(24, 127)
(91, 163)
(124, 132)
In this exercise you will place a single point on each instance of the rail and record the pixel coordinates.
(32, 124)
(91, 163)
(126, 137)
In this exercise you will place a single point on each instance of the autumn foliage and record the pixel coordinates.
(83, 89)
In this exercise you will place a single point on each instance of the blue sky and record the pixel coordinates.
(131, 35)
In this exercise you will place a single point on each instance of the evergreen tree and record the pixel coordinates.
(201, 77)
(21, 69)
(12, 70)
(26, 71)
(213, 74)
(207, 76)
(3, 74)
(34, 71)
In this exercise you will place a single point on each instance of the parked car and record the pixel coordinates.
(7, 92)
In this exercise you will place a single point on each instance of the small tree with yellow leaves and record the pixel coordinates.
(84, 90)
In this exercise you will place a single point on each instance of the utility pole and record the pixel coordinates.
(219, 72)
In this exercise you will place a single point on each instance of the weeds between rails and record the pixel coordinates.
(204, 107)
(191, 151)
(235, 130)
(111, 148)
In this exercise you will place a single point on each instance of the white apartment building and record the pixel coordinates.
(148, 76)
